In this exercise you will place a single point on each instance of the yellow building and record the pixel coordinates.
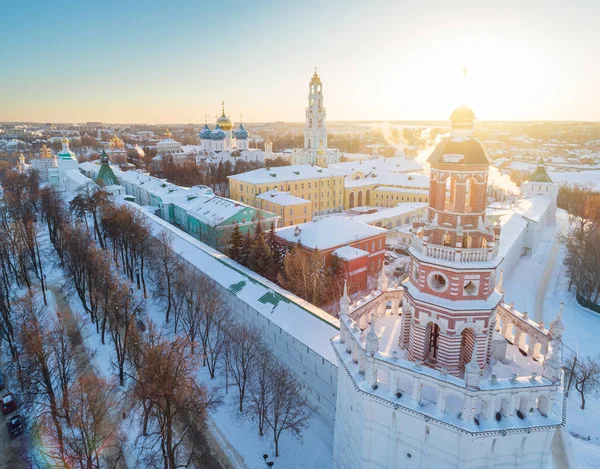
(322, 187)
(385, 190)
(292, 210)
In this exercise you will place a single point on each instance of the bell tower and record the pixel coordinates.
(315, 128)
(450, 299)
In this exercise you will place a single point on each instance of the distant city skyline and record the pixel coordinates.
(148, 62)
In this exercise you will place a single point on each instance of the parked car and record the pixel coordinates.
(2, 381)
(8, 403)
(15, 426)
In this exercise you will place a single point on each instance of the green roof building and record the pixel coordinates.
(540, 174)
(106, 176)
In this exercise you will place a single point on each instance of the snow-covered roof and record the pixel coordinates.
(281, 198)
(402, 189)
(167, 141)
(218, 210)
(412, 180)
(349, 253)
(285, 173)
(397, 164)
(328, 232)
(185, 195)
(398, 210)
(534, 207)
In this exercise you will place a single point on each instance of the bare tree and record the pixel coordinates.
(259, 386)
(166, 379)
(90, 440)
(586, 376)
(243, 354)
(287, 408)
(165, 263)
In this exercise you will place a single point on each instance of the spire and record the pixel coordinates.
(557, 327)
(472, 370)
(372, 340)
(345, 301)
(223, 107)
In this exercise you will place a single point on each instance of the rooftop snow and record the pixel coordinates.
(396, 211)
(281, 198)
(218, 209)
(328, 232)
(285, 173)
(412, 180)
(398, 164)
(533, 208)
(349, 253)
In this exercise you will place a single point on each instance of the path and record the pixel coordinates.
(84, 364)
(538, 310)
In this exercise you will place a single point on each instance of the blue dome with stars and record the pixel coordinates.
(205, 133)
(241, 133)
(218, 133)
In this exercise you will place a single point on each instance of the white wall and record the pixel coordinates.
(315, 367)
(370, 434)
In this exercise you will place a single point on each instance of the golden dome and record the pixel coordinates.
(315, 80)
(224, 121)
(64, 140)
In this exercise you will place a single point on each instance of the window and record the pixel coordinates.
(373, 246)
(379, 244)
(305, 209)
(437, 281)
(470, 288)
(290, 211)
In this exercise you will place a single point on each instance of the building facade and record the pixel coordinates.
(329, 234)
(323, 187)
(292, 210)
(433, 381)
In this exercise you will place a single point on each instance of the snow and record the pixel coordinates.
(396, 211)
(285, 173)
(348, 253)
(328, 232)
(282, 198)
(582, 327)
(218, 209)
(513, 226)
(308, 324)
(408, 180)
(397, 164)
(577, 177)
(533, 208)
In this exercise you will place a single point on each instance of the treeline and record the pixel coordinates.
(108, 262)
(582, 243)
(296, 270)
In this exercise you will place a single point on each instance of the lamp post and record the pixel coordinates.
(267, 463)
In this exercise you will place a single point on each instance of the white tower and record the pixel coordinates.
(540, 183)
(434, 384)
(315, 129)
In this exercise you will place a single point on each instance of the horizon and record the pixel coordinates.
(150, 63)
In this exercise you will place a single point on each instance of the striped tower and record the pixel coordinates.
(450, 302)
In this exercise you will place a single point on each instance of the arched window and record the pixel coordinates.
(368, 197)
(351, 200)
(450, 194)
(360, 198)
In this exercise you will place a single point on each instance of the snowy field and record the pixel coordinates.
(582, 334)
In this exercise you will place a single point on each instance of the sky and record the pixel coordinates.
(174, 62)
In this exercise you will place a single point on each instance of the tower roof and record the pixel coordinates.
(315, 80)
(106, 175)
(460, 151)
(205, 133)
(540, 174)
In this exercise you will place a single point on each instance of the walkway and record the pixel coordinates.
(84, 364)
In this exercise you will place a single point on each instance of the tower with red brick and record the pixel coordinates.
(450, 296)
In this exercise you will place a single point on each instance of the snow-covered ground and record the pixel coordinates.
(582, 334)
